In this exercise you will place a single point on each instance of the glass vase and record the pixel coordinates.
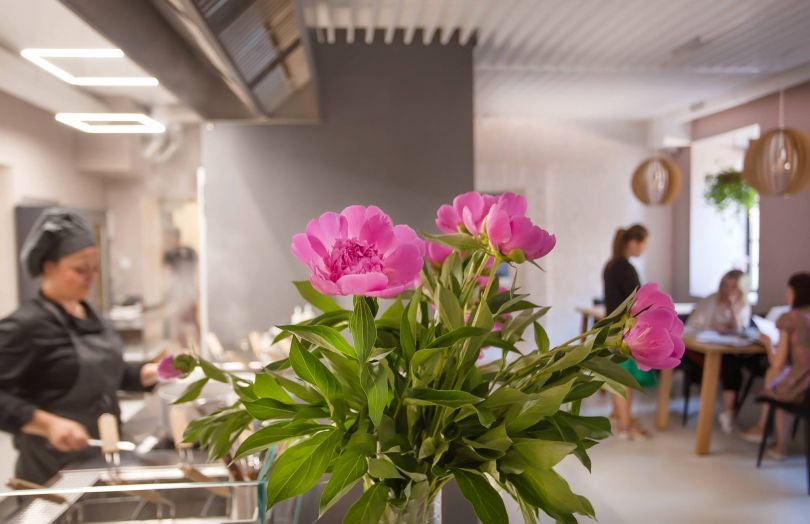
(418, 510)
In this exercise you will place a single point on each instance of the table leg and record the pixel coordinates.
(664, 391)
(708, 399)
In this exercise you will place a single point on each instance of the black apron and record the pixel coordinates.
(101, 368)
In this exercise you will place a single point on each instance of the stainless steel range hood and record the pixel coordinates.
(257, 50)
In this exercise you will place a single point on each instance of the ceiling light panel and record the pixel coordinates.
(40, 57)
(112, 123)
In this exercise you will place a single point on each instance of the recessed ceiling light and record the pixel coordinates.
(111, 122)
(39, 57)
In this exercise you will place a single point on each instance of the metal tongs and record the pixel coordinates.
(110, 446)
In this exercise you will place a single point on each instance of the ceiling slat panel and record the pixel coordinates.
(595, 59)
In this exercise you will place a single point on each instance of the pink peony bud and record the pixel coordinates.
(437, 253)
(654, 339)
(513, 234)
(649, 296)
(360, 252)
(167, 370)
(467, 213)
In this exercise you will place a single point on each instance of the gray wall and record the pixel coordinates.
(396, 131)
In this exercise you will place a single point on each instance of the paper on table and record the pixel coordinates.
(713, 337)
(767, 328)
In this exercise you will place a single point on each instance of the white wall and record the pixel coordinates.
(577, 179)
(38, 157)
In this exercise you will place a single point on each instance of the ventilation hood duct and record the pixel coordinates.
(256, 50)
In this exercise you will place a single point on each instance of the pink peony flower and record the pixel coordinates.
(513, 234)
(654, 339)
(360, 252)
(167, 370)
(437, 253)
(649, 296)
(467, 213)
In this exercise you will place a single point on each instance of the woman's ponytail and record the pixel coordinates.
(618, 244)
(624, 236)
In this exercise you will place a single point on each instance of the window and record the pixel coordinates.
(720, 241)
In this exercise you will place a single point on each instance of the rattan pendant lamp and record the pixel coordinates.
(778, 162)
(657, 181)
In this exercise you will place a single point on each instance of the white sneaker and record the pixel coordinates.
(726, 419)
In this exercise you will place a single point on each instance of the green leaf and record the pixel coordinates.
(570, 357)
(213, 372)
(486, 501)
(604, 367)
(394, 311)
(543, 404)
(542, 454)
(448, 339)
(382, 469)
(364, 332)
(312, 370)
(269, 435)
(496, 438)
(450, 309)
(513, 330)
(426, 356)
(407, 338)
(301, 466)
(441, 397)
(317, 299)
(301, 391)
(457, 241)
(363, 443)
(192, 391)
(322, 336)
(348, 469)
(547, 490)
(541, 338)
(268, 409)
(583, 390)
(504, 397)
(265, 386)
(375, 385)
(370, 507)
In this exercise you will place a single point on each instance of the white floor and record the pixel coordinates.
(661, 480)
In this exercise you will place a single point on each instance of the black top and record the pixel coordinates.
(621, 279)
(38, 362)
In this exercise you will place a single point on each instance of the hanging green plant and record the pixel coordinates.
(728, 189)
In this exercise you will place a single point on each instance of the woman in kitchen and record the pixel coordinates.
(61, 363)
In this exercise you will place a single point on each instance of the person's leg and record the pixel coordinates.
(622, 411)
(780, 431)
(731, 376)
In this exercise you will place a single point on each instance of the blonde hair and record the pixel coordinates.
(741, 280)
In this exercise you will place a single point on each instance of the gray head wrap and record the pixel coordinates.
(57, 233)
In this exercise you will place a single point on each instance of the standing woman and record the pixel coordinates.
(61, 363)
(621, 279)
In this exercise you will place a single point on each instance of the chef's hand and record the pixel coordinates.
(149, 374)
(67, 435)
(62, 433)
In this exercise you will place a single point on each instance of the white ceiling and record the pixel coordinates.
(628, 59)
(49, 24)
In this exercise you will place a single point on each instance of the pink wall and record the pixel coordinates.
(785, 221)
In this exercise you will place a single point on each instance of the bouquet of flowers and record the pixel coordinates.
(391, 395)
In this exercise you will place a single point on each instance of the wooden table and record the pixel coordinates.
(596, 313)
(708, 388)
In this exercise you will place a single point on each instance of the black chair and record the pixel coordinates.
(800, 411)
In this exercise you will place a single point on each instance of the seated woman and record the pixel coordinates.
(727, 311)
(788, 377)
